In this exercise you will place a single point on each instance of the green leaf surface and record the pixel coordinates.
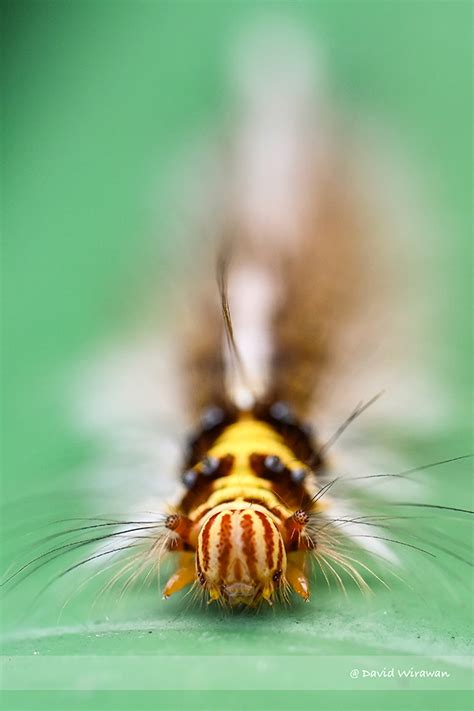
(99, 99)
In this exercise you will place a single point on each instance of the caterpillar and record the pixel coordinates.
(269, 351)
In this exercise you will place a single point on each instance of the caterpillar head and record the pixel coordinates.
(241, 557)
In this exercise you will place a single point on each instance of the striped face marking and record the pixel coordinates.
(240, 555)
(238, 512)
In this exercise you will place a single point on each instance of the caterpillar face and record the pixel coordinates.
(241, 556)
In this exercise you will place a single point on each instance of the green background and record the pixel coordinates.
(98, 100)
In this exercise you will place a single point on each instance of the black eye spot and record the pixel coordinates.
(212, 417)
(189, 478)
(209, 466)
(298, 476)
(277, 576)
(274, 464)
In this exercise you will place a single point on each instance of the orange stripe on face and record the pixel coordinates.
(280, 554)
(248, 545)
(269, 538)
(205, 537)
(225, 544)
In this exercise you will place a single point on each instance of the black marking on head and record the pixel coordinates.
(215, 467)
(212, 417)
(277, 576)
(199, 480)
(282, 412)
(212, 422)
(293, 493)
(273, 464)
(298, 476)
(268, 466)
(189, 478)
(210, 466)
(297, 435)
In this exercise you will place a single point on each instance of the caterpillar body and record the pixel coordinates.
(296, 272)
(299, 327)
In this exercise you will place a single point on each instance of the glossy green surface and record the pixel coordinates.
(98, 100)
